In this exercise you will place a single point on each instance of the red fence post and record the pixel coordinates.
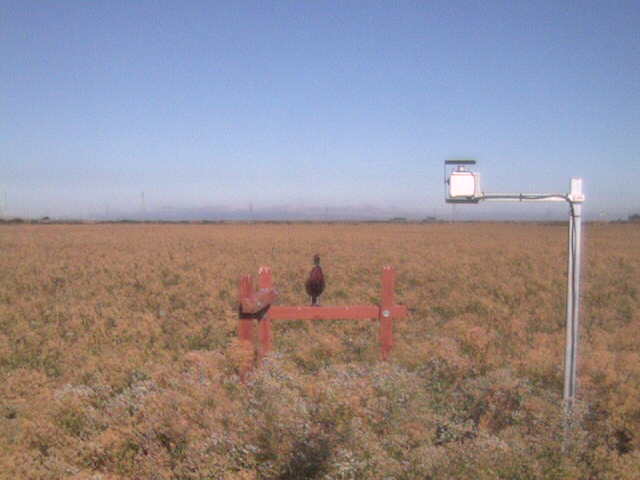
(265, 280)
(258, 305)
(245, 325)
(386, 318)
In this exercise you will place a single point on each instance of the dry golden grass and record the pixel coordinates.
(118, 354)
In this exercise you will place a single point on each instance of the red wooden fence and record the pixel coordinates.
(257, 306)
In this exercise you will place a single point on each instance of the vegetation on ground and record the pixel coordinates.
(119, 356)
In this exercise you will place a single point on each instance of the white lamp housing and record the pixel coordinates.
(462, 185)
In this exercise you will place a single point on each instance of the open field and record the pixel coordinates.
(119, 357)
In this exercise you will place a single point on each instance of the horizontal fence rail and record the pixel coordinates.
(256, 306)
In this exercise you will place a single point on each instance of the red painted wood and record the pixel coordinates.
(399, 311)
(245, 325)
(350, 312)
(280, 312)
(265, 278)
(265, 282)
(259, 300)
(386, 311)
(251, 302)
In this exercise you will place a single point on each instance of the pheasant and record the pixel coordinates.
(315, 283)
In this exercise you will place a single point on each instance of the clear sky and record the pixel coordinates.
(314, 102)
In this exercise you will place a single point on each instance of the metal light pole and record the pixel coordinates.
(463, 186)
(575, 199)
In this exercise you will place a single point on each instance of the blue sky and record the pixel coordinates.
(315, 103)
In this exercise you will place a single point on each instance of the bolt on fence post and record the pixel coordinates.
(386, 304)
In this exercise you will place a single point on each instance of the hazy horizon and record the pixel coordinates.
(536, 213)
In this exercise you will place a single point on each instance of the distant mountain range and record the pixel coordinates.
(293, 212)
(278, 212)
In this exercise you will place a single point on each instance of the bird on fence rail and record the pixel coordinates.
(315, 283)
